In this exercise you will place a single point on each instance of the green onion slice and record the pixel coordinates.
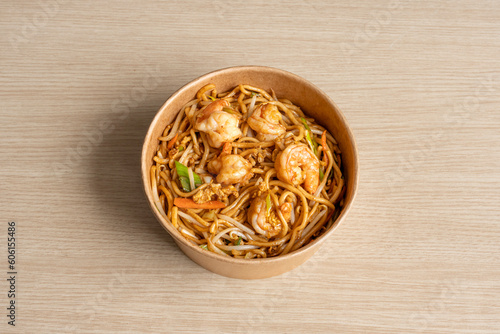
(269, 205)
(182, 172)
(312, 143)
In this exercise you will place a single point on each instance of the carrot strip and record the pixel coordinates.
(172, 141)
(187, 203)
(226, 149)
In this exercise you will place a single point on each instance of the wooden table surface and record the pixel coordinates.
(419, 82)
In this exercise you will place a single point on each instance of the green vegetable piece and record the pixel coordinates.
(211, 97)
(186, 185)
(269, 205)
(238, 242)
(321, 174)
(182, 172)
(312, 143)
(305, 124)
(204, 246)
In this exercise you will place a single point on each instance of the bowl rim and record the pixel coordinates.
(172, 231)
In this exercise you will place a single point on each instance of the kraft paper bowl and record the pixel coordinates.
(313, 102)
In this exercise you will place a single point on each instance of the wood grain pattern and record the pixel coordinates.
(418, 82)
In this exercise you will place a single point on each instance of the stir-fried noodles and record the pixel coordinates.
(245, 174)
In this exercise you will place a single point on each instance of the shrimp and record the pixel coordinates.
(265, 220)
(219, 125)
(298, 165)
(265, 120)
(230, 168)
